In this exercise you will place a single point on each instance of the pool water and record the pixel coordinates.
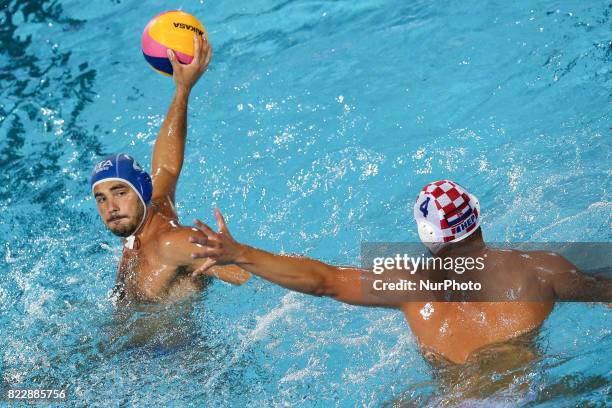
(313, 130)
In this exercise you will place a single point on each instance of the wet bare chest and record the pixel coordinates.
(144, 277)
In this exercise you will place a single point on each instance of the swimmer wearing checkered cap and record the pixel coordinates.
(156, 261)
(456, 328)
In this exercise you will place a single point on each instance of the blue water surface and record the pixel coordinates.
(313, 130)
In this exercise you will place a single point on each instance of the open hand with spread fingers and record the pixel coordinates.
(219, 247)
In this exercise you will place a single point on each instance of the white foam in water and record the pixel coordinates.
(594, 219)
(289, 303)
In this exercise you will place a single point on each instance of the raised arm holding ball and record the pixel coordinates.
(156, 264)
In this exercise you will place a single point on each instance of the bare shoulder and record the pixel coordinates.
(165, 206)
(176, 234)
(547, 262)
(172, 243)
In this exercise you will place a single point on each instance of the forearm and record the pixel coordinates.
(230, 273)
(170, 143)
(345, 284)
(583, 287)
(295, 273)
(596, 289)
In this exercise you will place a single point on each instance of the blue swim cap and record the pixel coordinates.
(124, 168)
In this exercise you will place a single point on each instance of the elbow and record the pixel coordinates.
(320, 287)
(317, 286)
(326, 285)
(315, 281)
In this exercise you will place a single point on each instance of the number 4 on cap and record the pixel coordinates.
(423, 207)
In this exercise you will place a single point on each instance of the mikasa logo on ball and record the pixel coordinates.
(188, 27)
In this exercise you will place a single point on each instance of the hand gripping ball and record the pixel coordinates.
(172, 29)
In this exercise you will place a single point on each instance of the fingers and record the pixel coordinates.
(204, 46)
(212, 240)
(204, 267)
(172, 59)
(196, 49)
(209, 53)
(202, 51)
(208, 252)
(204, 228)
(198, 240)
(221, 221)
(205, 54)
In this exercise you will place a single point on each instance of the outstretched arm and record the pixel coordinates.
(170, 143)
(348, 285)
(568, 283)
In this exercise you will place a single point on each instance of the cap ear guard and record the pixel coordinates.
(426, 232)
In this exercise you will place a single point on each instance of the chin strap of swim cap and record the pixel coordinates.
(131, 240)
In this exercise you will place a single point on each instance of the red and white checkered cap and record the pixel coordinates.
(446, 212)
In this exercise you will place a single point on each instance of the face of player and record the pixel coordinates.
(119, 207)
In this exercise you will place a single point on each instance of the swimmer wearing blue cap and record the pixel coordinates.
(519, 288)
(156, 261)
